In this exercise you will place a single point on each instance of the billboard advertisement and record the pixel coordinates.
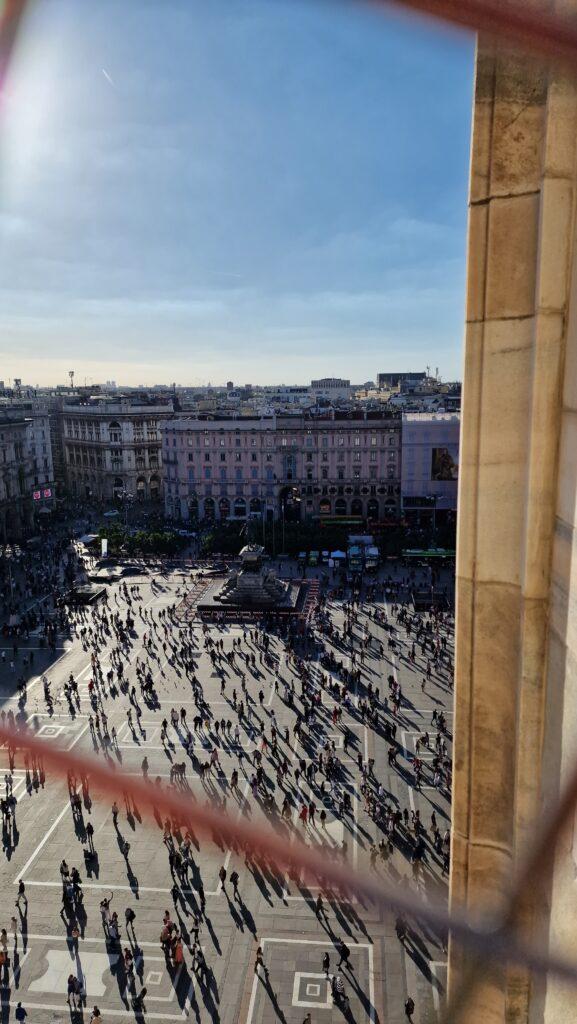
(445, 462)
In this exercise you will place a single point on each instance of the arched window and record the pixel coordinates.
(224, 508)
(192, 509)
(114, 432)
(141, 488)
(373, 508)
(340, 507)
(356, 507)
(255, 505)
(325, 507)
(209, 509)
(240, 508)
(155, 487)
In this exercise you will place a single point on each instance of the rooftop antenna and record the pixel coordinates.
(428, 369)
(71, 375)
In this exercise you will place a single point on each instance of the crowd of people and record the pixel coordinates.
(289, 693)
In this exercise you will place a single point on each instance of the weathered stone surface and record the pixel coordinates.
(516, 654)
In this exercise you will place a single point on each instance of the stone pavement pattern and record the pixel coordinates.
(273, 911)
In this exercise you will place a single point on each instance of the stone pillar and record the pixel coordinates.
(519, 351)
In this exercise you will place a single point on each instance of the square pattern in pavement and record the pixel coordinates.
(275, 910)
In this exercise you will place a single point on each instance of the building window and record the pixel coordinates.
(340, 474)
(309, 458)
(237, 456)
(223, 456)
(253, 457)
(356, 456)
(113, 430)
(207, 457)
(325, 473)
(207, 472)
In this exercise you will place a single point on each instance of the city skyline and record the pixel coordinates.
(84, 382)
(243, 201)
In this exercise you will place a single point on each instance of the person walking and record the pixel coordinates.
(259, 962)
(409, 1008)
(326, 964)
(90, 836)
(22, 898)
(234, 882)
(344, 953)
(129, 917)
(72, 989)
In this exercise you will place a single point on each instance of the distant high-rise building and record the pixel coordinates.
(393, 380)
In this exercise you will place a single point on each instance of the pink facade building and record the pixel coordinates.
(342, 464)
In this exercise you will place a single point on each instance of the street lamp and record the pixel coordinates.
(432, 498)
(127, 497)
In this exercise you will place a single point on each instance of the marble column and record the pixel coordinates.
(519, 358)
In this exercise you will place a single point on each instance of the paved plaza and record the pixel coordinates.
(136, 861)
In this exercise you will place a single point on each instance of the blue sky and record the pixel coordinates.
(232, 189)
